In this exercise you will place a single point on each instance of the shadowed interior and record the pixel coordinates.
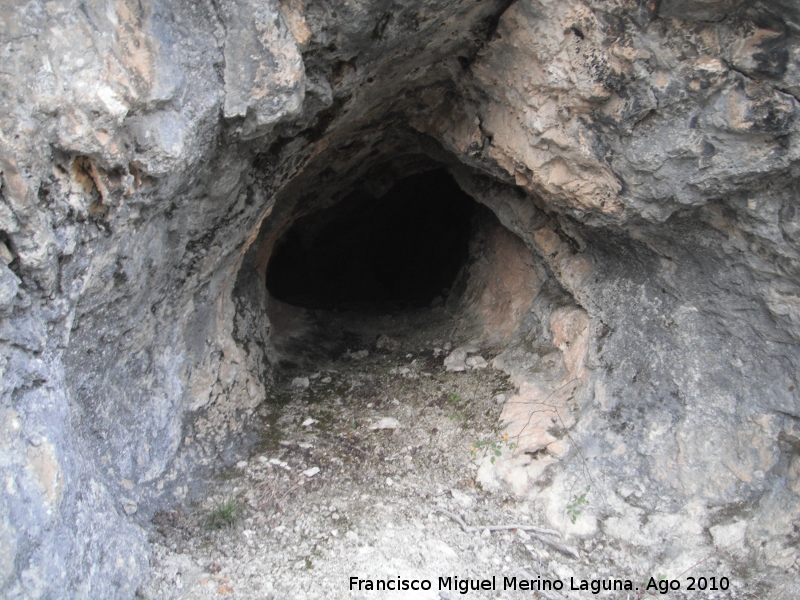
(399, 250)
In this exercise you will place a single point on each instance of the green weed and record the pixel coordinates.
(224, 514)
(455, 401)
(491, 447)
(574, 508)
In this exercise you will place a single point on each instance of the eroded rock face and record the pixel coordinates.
(645, 153)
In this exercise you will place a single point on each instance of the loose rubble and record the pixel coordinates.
(378, 481)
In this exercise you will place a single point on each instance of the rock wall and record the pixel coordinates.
(645, 152)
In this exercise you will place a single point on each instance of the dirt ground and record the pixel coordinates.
(368, 456)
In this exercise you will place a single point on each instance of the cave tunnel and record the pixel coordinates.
(400, 250)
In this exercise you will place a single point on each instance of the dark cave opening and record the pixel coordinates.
(399, 250)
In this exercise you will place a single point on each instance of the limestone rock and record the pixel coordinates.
(457, 359)
(9, 284)
(476, 362)
(385, 423)
(301, 383)
(264, 74)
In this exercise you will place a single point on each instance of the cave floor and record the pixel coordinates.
(350, 471)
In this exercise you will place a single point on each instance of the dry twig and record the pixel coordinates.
(536, 531)
(470, 529)
(557, 546)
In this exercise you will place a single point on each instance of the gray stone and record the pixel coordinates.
(476, 362)
(5, 254)
(457, 360)
(385, 423)
(264, 74)
(9, 284)
(301, 383)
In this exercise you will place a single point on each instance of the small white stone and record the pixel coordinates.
(456, 360)
(5, 254)
(463, 499)
(279, 463)
(300, 383)
(311, 472)
(309, 422)
(500, 398)
(729, 534)
(476, 362)
(389, 481)
(241, 464)
(386, 423)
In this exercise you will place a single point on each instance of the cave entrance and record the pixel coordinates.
(399, 250)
